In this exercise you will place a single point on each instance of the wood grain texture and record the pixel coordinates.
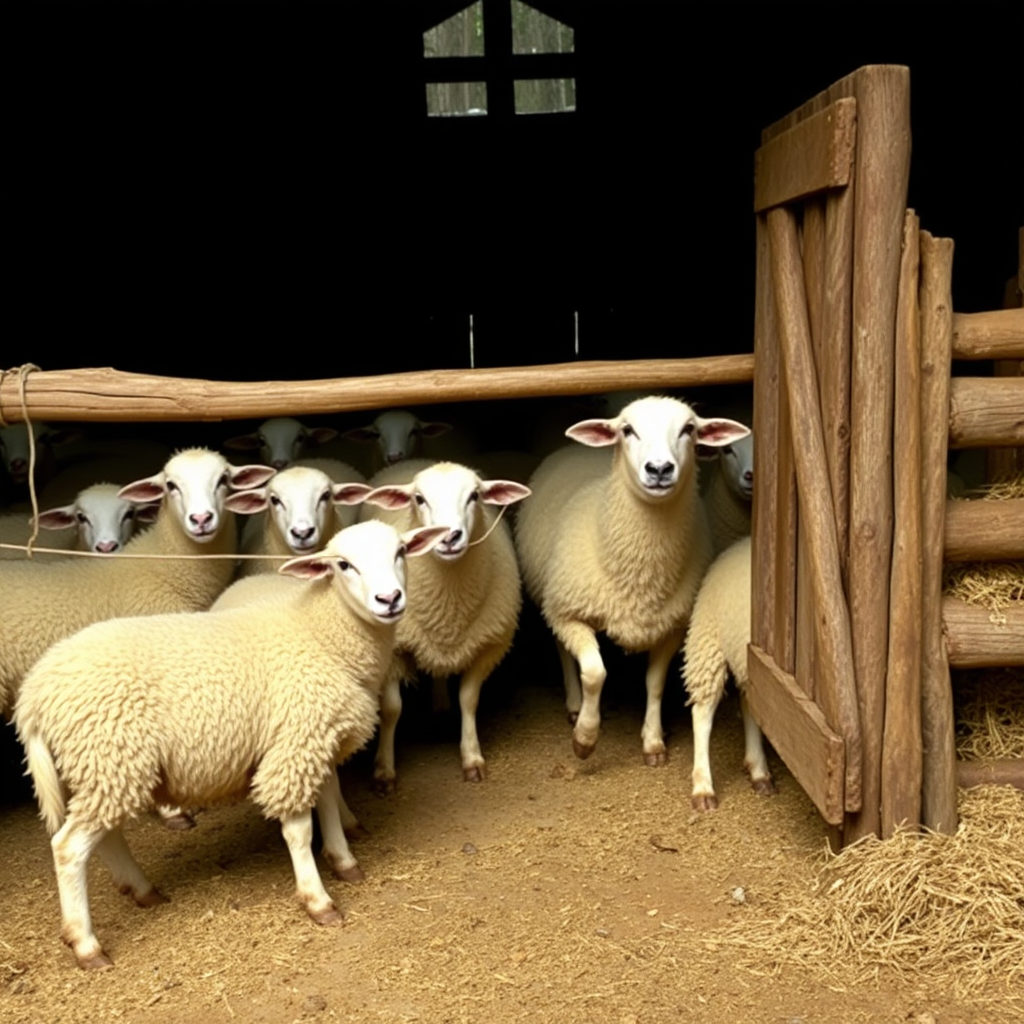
(986, 412)
(998, 334)
(984, 531)
(979, 638)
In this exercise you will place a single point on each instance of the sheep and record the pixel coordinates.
(97, 520)
(295, 513)
(729, 491)
(204, 707)
(398, 434)
(41, 603)
(466, 598)
(617, 542)
(281, 440)
(717, 640)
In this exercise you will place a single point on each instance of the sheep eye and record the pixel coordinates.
(628, 431)
(475, 496)
(171, 485)
(727, 450)
(420, 500)
(344, 565)
(223, 481)
(324, 497)
(687, 430)
(130, 514)
(81, 517)
(276, 501)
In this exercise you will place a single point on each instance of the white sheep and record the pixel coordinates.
(192, 707)
(616, 542)
(295, 513)
(465, 599)
(729, 492)
(717, 641)
(43, 602)
(281, 440)
(97, 520)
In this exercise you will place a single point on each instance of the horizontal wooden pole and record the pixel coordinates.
(109, 395)
(984, 531)
(986, 412)
(995, 335)
(978, 638)
(797, 729)
(1004, 772)
(810, 157)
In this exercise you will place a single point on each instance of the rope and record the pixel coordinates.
(491, 529)
(23, 371)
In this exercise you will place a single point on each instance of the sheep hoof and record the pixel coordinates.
(582, 750)
(474, 773)
(180, 822)
(329, 916)
(356, 832)
(572, 716)
(152, 898)
(705, 802)
(657, 759)
(383, 787)
(97, 962)
(763, 787)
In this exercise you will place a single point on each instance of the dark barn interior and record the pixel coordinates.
(253, 190)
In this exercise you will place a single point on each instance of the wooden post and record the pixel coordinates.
(938, 735)
(901, 742)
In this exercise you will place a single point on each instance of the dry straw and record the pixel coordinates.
(990, 714)
(945, 909)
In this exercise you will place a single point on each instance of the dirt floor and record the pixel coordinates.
(557, 890)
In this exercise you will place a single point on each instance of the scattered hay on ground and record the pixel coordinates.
(946, 909)
(990, 714)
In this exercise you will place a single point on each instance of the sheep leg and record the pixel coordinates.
(349, 822)
(651, 735)
(571, 681)
(124, 869)
(176, 819)
(329, 806)
(297, 830)
(703, 796)
(581, 642)
(754, 759)
(469, 697)
(72, 845)
(390, 710)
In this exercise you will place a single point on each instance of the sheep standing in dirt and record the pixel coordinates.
(617, 542)
(466, 597)
(41, 603)
(200, 707)
(716, 643)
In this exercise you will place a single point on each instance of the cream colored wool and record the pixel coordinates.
(600, 554)
(41, 603)
(716, 643)
(462, 612)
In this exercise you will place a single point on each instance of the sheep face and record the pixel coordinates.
(449, 495)
(105, 521)
(397, 434)
(366, 564)
(281, 440)
(300, 501)
(656, 439)
(195, 484)
(738, 466)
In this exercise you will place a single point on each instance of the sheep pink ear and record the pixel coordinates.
(307, 567)
(720, 432)
(503, 492)
(244, 442)
(247, 502)
(58, 518)
(390, 497)
(422, 540)
(349, 494)
(143, 491)
(595, 433)
(245, 477)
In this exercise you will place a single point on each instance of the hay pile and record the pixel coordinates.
(945, 909)
(994, 585)
(990, 714)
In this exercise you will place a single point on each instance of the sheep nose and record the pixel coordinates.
(391, 600)
(662, 472)
(107, 546)
(279, 464)
(201, 519)
(303, 534)
(453, 538)
(749, 476)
